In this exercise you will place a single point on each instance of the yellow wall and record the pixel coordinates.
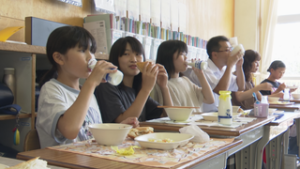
(208, 18)
(205, 18)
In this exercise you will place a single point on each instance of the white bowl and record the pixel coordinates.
(273, 99)
(213, 116)
(110, 133)
(296, 95)
(180, 139)
(235, 109)
(179, 114)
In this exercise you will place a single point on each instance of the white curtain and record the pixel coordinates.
(267, 24)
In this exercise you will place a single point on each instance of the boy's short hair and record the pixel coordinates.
(213, 44)
(276, 64)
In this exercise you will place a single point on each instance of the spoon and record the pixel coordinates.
(256, 100)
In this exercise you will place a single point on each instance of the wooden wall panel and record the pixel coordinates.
(205, 18)
(13, 13)
(208, 18)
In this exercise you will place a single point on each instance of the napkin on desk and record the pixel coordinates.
(199, 135)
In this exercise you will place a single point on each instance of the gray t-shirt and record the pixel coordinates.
(114, 100)
(55, 98)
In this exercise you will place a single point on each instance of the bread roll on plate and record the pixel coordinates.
(134, 132)
(34, 163)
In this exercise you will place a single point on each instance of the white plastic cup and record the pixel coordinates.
(286, 94)
(233, 41)
(112, 78)
(236, 49)
(264, 99)
(261, 110)
(202, 65)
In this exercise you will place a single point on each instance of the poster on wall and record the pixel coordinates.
(105, 6)
(120, 8)
(97, 29)
(182, 15)
(174, 15)
(133, 7)
(145, 10)
(73, 2)
(165, 14)
(155, 12)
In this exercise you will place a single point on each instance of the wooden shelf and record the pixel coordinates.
(14, 47)
(9, 117)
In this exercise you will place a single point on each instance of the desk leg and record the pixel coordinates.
(286, 141)
(273, 153)
(298, 134)
(276, 149)
(218, 162)
(260, 146)
(246, 157)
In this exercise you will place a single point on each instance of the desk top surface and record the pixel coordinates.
(295, 106)
(72, 160)
(287, 119)
(259, 122)
(11, 162)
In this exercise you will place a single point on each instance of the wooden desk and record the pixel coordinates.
(215, 131)
(255, 135)
(286, 108)
(11, 162)
(295, 100)
(72, 160)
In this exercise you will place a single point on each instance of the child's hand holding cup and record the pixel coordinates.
(112, 78)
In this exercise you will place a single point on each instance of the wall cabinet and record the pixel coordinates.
(23, 58)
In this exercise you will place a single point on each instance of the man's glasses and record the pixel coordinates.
(227, 50)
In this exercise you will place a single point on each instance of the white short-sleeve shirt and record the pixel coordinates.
(55, 98)
(213, 75)
(183, 93)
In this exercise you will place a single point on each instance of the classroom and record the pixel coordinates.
(149, 84)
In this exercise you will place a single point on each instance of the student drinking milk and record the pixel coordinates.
(65, 109)
(172, 55)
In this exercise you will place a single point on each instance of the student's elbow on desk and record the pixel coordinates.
(209, 101)
(69, 132)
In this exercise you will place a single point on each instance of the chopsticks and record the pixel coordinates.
(178, 107)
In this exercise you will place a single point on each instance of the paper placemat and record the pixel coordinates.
(147, 157)
(237, 122)
(197, 119)
(168, 120)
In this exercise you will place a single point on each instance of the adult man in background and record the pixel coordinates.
(219, 71)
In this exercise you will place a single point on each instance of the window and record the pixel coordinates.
(287, 37)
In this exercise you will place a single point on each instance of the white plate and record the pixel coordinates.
(180, 139)
(2, 166)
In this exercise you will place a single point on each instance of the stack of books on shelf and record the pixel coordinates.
(107, 28)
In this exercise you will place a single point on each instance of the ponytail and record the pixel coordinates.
(52, 73)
